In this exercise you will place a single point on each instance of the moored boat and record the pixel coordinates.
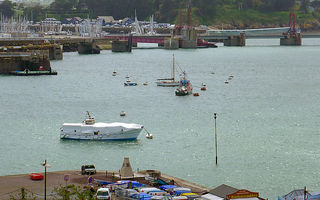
(203, 87)
(169, 82)
(91, 130)
(185, 87)
(129, 83)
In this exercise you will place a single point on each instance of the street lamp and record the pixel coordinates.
(45, 164)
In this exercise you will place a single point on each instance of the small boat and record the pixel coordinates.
(122, 113)
(145, 83)
(185, 86)
(114, 73)
(91, 130)
(196, 94)
(226, 82)
(203, 87)
(36, 176)
(129, 83)
(169, 82)
(127, 76)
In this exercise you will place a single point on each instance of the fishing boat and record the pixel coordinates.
(91, 130)
(169, 82)
(185, 86)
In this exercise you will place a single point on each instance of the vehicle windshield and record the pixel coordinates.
(89, 166)
(100, 193)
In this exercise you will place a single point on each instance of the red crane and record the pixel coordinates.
(292, 24)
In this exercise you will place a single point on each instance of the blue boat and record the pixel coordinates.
(129, 83)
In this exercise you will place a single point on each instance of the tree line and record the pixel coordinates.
(164, 10)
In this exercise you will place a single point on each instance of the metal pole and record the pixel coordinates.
(22, 194)
(216, 140)
(45, 179)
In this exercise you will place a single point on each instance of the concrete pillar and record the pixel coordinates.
(189, 38)
(235, 41)
(291, 40)
(55, 52)
(171, 43)
(88, 48)
(121, 46)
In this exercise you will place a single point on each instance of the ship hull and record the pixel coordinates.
(100, 131)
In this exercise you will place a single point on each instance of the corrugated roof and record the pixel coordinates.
(295, 194)
(223, 190)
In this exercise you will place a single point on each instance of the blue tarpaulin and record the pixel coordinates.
(134, 183)
(165, 187)
(313, 197)
(141, 196)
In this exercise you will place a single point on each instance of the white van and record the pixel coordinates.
(103, 194)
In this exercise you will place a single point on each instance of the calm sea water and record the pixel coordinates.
(267, 125)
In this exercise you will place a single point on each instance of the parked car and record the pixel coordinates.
(88, 169)
(103, 194)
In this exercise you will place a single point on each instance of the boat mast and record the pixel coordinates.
(173, 69)
(88, 114)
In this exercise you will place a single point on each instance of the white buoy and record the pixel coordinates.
(149, 136)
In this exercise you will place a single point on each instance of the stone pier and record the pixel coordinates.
(122, 45)
(88, 47)
(189, 38)
(235, 41)
(291, 40)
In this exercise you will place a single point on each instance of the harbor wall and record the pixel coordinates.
(19, 61)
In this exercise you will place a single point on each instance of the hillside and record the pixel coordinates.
(217, 13)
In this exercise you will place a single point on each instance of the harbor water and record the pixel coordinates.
(267, 115)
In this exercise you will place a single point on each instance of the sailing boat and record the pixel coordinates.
(169, 82)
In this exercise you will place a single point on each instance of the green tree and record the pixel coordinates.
(36, 13)
(6, 8)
